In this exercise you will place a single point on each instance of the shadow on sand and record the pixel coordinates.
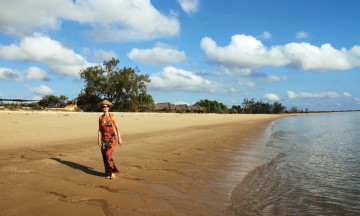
(85, 169)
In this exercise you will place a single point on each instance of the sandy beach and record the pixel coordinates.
(170, 164)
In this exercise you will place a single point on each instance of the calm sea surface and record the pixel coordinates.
(310, 166)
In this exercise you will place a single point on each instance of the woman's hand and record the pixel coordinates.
(120, 141)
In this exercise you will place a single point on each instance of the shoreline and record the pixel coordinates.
(170, 164)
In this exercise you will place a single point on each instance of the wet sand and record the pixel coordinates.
(170, 164)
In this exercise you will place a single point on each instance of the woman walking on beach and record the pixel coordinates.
(108, 135)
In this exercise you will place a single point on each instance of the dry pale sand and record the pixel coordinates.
(171, 164)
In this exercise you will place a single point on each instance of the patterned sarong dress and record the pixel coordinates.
(108, 143)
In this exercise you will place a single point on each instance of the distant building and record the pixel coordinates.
(196, 108)
(181, 108)
(164, 107)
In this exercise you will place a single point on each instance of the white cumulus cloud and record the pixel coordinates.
(248, 52)
(265, 35)
(244, 82)
(346, 94)
(189, 6)
(274, 78)
(33, 73)
(161, 54)
(174, 79)
(9, 74)
(272, 97)
(102, 55)
(23, 18)
(41, 49)
(302, 35)
(329, 94)
(111, 20)
(323, 58)
(243, 52)
(42, 90)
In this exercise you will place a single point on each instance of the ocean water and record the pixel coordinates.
(309, 165)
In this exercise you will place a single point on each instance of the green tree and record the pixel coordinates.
(120, 86)
(278, 108)
(264, 108)
(50, 101)
(213, 106)
(237, 108)
(63, 100)
(88, 102)
(294, 110)
(259, 107)
(249, 106)
(145, 102)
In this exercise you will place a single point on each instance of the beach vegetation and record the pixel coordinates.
(278, 108)
(145, 102)
(36, 106)
(88, 102)
(236, 109)
(52, 101)
(213, 106)
(124, 87)
(251, 106)
(14, 107)
(295, 110)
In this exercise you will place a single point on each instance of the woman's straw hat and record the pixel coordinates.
(105, 102)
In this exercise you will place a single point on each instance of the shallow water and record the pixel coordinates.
(308, 165)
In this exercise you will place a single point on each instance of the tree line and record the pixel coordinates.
(126, 89)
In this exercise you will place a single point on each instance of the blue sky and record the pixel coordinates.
(302, 53)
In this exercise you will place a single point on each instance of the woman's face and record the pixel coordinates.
(105, 108)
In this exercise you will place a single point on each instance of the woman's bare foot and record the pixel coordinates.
(112, 176)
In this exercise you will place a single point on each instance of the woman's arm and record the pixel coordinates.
(99, 133)
(119, 140)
